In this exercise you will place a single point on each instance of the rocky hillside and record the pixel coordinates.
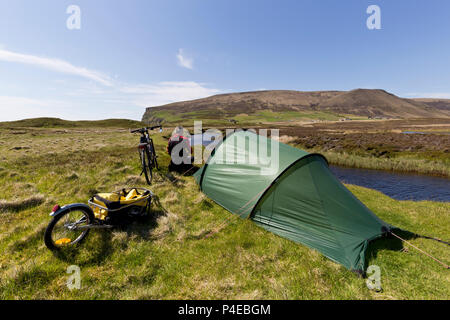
(442, 104)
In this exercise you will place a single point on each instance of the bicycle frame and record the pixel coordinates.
(146, 141)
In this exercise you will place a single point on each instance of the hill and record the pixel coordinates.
(378, 103)
(442, 104)
(59, 123)
(276, 105)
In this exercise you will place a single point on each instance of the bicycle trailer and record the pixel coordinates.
(72, 223)
(113, 207)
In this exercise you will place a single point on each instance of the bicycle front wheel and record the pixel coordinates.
(153, 156)
(146, 166)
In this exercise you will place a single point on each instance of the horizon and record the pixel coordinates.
(266, 90)
(114, 60)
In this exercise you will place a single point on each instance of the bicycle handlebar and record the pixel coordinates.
(155, 127)
(142, 130)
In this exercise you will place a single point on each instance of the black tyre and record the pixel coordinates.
(60, 232)
(154, 157)
(146, 166)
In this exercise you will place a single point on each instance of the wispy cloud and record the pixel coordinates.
(55, 65)
(184, 61)
(116, 101)
(167, 92)
(107, 95)
(431, 95)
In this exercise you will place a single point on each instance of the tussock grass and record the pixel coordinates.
(402, 162)
(167, 256)
(20, 205)
(72, 176)
(133, 180)
(124, 169)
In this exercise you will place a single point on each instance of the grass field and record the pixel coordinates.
(166, 256)
(60, 123)
(262, 117)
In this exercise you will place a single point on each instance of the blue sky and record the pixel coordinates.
(132, 54)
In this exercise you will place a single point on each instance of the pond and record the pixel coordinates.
(400, 186)
(204, 139)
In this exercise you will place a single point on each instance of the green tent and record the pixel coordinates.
(295, 196)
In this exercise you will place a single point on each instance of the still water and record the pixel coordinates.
(400, 186)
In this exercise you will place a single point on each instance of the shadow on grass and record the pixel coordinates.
(387, 243)
(186, 170)
(181, 170)
(21, 205)
(91, 252)
(205, 234)
(143, 227)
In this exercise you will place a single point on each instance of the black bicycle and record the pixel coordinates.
(147, 152)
